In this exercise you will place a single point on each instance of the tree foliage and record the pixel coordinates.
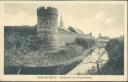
(85, 42)
(115, 49)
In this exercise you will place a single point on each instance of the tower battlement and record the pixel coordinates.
(47, 17)
(44, 11)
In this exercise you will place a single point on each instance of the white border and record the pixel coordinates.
(83, 77)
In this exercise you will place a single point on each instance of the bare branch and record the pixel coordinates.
(100, 56)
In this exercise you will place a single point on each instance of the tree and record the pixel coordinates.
(99, 62)
(115, 49)
(85, 42)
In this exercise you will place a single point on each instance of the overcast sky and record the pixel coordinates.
(96, 18)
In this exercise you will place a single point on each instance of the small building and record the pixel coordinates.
(101, 41)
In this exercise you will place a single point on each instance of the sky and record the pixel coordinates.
(107, 19)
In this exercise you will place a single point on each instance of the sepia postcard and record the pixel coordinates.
(63, 41)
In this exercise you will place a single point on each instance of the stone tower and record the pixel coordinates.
(47, 22)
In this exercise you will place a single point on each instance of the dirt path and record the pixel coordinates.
(88, 62)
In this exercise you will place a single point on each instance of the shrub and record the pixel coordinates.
(86, 43)
(115, 49)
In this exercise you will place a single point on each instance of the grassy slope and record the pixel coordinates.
(68, 57)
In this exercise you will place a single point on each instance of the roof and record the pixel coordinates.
(76, 30)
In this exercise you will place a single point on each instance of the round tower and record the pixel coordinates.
(47, 22)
